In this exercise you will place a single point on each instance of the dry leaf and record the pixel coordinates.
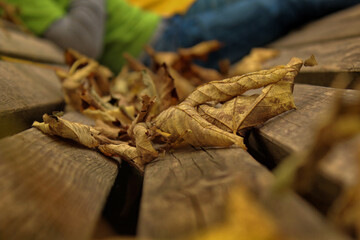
(200, 50)
(245, 219)
(205, 74)
(80, 133)
(244, 112)
(143, 143)
(108, 130)
(254, 61)
(224, 90)
(160, 58)
(185, 122)
(109, 116)
(183, 86)
(167, 92)
(310, 62)
(211, 115)
(126, 152)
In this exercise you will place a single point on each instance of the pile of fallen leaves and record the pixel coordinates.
(143, 112)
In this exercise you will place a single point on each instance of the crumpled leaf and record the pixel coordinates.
(143, 143)
(109, 115)
(124, 151)
(84, 74)
(107, 130)
(91, 138)
(199, 120)
(185, 122)
(224, 90)
(244, 112)
(80, 133)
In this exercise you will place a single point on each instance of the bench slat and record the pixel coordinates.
(51, 188)
(294, 131)
(186, 191)
(15, 43)
(26, 93)
(340, 56)
(340, 25)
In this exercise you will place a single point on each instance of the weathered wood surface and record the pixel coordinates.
(339, 25)
(340, 56)
(334, 41)
(26, 93)
(294, 131)
(51, 188)
(15, 43)
(187, 190)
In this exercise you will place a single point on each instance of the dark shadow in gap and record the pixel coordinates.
(123, 204)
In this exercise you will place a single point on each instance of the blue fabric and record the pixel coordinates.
(241, 24)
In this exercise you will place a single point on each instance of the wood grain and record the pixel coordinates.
(26, 92)
(187, 190)
(340, 56)
(51, 188)
(294, 132)
(340, 25)
(334, 41)
(15, 43)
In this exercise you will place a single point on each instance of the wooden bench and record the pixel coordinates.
(52, 188)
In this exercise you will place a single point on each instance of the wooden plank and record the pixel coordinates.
(26, 92)
(294, 132)
(51, 188)
(340, 56)
(340, 25)
(186, 191)
(15, 43)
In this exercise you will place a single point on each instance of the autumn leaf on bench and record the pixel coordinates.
(215, 114)
(203, 125)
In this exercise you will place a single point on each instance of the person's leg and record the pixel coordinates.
(200, 6)
(243, 24)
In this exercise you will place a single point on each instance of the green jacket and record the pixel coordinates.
(127, 28)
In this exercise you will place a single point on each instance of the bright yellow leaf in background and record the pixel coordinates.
(165, 8)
